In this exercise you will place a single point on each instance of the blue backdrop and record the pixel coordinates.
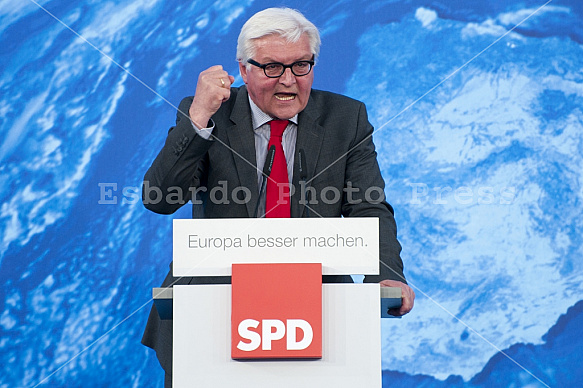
(479, 118)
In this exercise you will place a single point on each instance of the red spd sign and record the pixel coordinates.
(276, 311)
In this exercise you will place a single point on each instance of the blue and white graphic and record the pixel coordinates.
(478, 108)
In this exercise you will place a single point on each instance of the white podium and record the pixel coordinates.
(351, 343)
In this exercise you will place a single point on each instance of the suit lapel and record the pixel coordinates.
(309, 138)
(242, 141)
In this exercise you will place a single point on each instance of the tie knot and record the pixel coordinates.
(277, 127)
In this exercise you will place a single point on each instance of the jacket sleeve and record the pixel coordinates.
(363, 173)
(178, 168)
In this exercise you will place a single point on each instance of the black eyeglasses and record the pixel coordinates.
(276, 69)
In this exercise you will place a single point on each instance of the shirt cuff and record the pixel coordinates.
(205, 133)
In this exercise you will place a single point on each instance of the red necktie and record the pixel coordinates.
(277, 192)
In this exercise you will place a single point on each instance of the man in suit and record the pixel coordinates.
(215, 154)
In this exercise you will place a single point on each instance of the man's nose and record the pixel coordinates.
(287, 78)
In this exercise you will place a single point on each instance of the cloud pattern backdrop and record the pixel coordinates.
(484, 172)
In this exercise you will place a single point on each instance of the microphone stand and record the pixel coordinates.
(303, 180)
(266, 172)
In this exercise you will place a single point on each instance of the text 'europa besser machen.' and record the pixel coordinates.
(335, 241)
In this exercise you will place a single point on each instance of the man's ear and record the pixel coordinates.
(243, 71)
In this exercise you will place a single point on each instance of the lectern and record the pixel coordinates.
(202, 320)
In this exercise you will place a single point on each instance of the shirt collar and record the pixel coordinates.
(260, 118)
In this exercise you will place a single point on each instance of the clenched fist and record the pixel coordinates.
(212, 89)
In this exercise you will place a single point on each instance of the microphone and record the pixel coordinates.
(302, 165)
(303, 170)
(266, 172)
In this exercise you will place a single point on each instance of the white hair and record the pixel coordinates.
(286, 22)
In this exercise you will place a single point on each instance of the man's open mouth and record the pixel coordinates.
(285, 96)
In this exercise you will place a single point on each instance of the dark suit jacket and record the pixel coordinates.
(335, 134)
